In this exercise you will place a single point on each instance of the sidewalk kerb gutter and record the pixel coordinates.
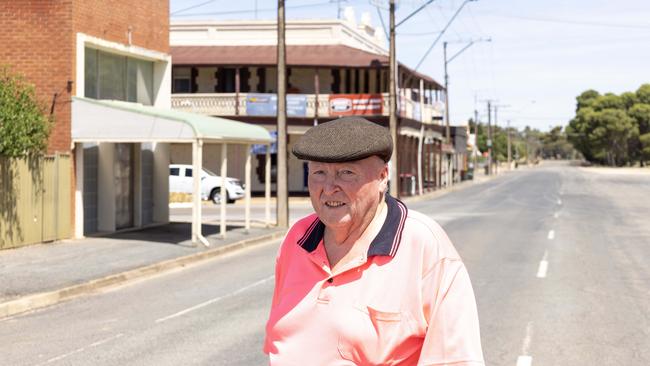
(43, 299)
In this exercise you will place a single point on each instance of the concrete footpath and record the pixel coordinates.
(46, 274)
(41, 275)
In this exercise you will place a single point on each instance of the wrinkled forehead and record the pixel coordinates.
(369, 163)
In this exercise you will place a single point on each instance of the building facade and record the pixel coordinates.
(115, 50)
(335, 68)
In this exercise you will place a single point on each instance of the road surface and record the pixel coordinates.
(558, 257)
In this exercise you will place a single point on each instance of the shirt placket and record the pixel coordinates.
(319, 257)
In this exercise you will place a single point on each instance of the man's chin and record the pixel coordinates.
(334, 221)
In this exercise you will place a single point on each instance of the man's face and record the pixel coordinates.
(347, 194)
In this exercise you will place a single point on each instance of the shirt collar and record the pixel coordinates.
(385, 243)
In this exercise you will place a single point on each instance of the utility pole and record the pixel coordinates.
(447, 133)
(282, 176)
(496, 154)
(475, 150)
(338, 5)
(489, 139)
(392, 95)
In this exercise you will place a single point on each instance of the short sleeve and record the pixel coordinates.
(453, 335)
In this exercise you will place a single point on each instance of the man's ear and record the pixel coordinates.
(383, 178)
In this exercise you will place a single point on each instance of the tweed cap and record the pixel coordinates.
(344, 139)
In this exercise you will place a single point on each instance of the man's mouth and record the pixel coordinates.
(334, 204)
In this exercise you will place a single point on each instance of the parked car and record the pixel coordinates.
(181, 181)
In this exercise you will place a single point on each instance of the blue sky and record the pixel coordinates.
(542, 55)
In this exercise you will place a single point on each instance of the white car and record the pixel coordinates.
(181, 181)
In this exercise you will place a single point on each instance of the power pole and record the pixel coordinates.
(447, 133)
(475, 150)
(281, 181)
(496, 154)
(392, 94)
(489, 139)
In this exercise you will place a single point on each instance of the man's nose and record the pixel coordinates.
(331, 184)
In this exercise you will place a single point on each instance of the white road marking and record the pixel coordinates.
(559, 201)
(543, 266)
(556, 215)
(525, 359)
(551, 234)
(79, 350)
(57, 358)
(99, 343)
(216, 299)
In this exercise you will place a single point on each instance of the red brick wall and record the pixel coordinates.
(110, 20)
(35, 41)
(38, 40)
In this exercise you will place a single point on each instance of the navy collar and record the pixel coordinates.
(385, 243)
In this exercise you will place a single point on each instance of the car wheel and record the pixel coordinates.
(215, 196)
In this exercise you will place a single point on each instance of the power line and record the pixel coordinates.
(442, 33)
(192, 7)
(255, 10)
(573, 22)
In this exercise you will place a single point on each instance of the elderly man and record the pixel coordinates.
(364, 280)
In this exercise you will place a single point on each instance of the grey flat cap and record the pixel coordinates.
(344, 139)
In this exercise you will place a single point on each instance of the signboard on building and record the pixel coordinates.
(356, 104)
(261, 149)
(260, 104)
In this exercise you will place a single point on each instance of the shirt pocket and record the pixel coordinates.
(373, 336)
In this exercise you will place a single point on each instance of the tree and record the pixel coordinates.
(645, 146)
(586, 99)
(555, 144)
(24, 127)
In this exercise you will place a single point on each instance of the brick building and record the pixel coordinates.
(94, 49)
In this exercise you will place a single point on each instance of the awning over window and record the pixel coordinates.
(116, 121)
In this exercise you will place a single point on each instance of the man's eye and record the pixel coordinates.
(318, 172)
(345, 172)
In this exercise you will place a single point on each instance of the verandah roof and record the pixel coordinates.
(117, 121)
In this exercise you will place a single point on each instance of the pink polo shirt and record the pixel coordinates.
(407, 301)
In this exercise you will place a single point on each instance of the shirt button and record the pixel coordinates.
(330, 280)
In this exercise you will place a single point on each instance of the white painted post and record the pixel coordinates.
(247, 189)
(79, 190)
(223, 192)
(197, 164)
(267, 186)
(421, 139)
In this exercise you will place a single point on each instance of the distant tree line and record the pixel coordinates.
(529, 144)
(612, 129)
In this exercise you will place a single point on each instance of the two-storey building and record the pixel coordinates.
(335, 68)
(105, 70)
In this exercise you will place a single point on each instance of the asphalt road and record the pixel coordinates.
(558, 257)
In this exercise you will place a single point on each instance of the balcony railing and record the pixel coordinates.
(231, 104)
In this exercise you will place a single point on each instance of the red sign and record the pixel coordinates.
(356, 104)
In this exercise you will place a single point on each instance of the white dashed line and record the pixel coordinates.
(216, 299)
(559, 201)
(57, 358)
(79, 350)
(543, 267)
(551, 234)
(556, 215)
(99, 343)
(525, 359)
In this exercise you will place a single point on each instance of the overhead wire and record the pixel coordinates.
(245, 11)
